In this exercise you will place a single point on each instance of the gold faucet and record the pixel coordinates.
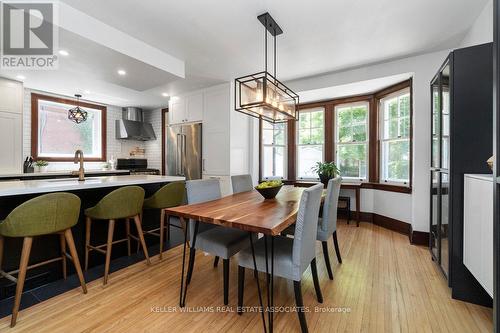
(81, 171)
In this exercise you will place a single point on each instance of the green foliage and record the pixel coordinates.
(328, 169)
(41, 163)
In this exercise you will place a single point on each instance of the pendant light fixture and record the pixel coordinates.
(77, 114)
(261, 95)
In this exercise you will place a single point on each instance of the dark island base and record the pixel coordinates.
(47, 247)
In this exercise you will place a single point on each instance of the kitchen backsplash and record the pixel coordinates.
(116, 148)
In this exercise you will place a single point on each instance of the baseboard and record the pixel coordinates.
(419, 237)
(415, 237)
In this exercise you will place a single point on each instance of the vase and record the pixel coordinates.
(324, 179)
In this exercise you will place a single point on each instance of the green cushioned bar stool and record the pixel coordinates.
(53, 213)
(124, 203)
(170, 195)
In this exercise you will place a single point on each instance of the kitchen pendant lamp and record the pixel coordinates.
(261, 95)
(77, 114)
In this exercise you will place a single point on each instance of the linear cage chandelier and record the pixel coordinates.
(77, 114)
(262, 95)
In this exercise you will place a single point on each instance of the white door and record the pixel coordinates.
(11, 139)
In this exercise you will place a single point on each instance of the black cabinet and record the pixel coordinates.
(461, 142)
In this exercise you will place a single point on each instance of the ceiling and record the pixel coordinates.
(220, 40)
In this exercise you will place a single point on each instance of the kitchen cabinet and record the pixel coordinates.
(185, 109)
(462, 141)
(11, 110)
(478, 228)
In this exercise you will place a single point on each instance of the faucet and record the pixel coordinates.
(81, 170)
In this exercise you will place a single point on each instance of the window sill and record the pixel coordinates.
(367, 185)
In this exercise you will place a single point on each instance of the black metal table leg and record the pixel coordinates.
(258, 284)
(185, 285)
(272, 286)
(183, 262)
(270, 283)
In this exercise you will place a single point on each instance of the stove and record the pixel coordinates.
(136, 166)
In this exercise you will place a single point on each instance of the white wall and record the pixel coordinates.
(412, 208)
(482, 30)
(153, 147)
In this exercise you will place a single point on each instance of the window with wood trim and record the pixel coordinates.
(56, 138)
(351, 140)
(274, 150)
(395, 137)
(310, 141)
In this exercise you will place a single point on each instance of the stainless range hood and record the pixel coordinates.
(133, 127)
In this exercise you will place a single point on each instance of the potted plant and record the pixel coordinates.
(41, 166)
(326, 171)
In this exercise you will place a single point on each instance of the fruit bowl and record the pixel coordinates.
(269, 190)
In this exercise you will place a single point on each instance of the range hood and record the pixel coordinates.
(133, 127)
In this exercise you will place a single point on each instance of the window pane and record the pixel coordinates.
(352, 160)
(344, 117)
(317, 119)
(280, 156)
(404, 127)
(60, 137)
(404, 105)
(359, 133)
(279, 134)
(307, 156)
(304, 119)
(267, 136)
(396, 160)
(345, 134)
(268, 161)
(304, 136)
(317, 136)
(359, 114)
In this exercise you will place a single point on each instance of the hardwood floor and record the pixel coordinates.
(384, 285)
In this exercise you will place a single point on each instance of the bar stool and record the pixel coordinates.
(123, 203)
(170, 195)
(53, 213)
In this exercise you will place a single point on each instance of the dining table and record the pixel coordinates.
(250, 212)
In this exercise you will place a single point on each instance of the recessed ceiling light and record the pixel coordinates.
(164, 94)
(121, 72)
(64, 53)
(20, 77)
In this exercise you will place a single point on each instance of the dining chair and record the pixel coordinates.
(327, 224)
(292, 256)
(241, 183)
(219, 241)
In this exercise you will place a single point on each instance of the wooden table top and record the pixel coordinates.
(247, 211)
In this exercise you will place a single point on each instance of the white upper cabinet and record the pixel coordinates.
(185, 109)
(11, 131)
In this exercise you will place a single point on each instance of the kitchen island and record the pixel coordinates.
(90, 191)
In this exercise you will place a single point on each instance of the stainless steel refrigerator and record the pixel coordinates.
(183, 151)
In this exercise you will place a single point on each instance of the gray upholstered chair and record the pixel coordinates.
(241, 183)
(292, 256)
(327, 224)
(219, 241)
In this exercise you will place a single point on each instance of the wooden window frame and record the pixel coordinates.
(373, 99)
(34, 127)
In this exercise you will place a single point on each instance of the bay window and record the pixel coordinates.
(310, 141)
(395, 137)
(274, 150)
(351, 144)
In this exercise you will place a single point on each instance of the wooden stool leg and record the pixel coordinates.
(63, 254)
(109, 245)
(23, 266)
(141, 238)
(88, 222)
(1, 250)
(127, 227)
(162, 229)
(76, 262)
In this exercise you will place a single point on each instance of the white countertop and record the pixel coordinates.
(61, 173)
(20, 187)
(487, 176)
